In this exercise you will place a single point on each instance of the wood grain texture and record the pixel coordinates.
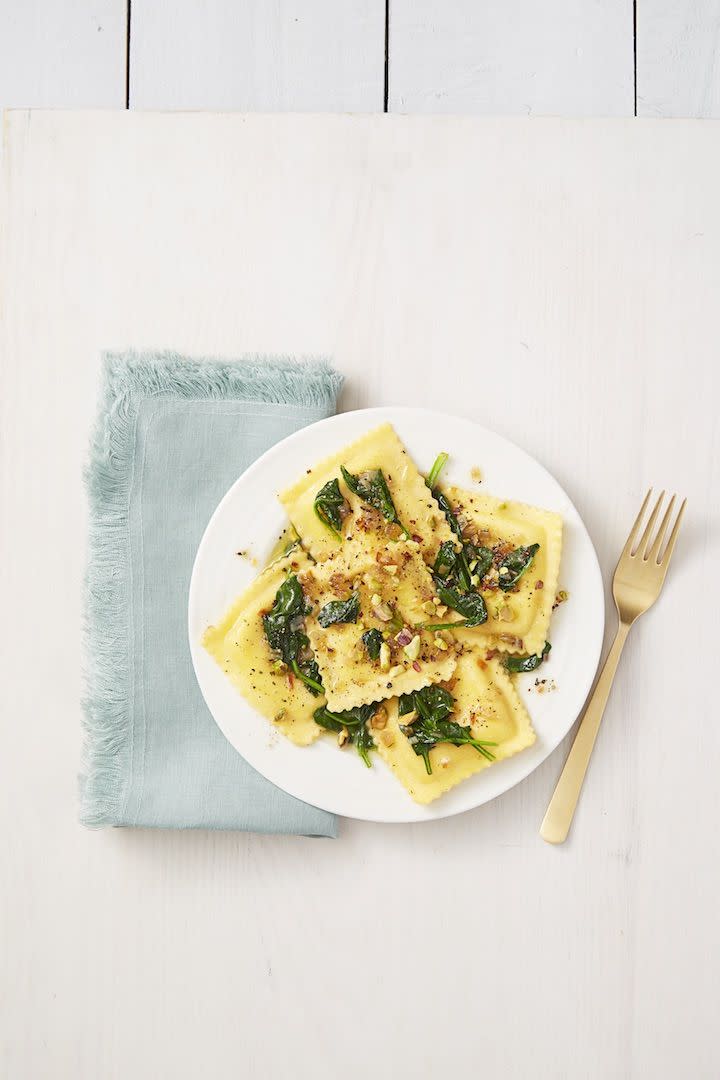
(430, 256)
(62, 55)
(497, 58)
(315, 55)
(678, 58)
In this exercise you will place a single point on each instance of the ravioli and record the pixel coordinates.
(416, 509)
(518, 620)
(239, 646)
(392, 594)
(486, 701)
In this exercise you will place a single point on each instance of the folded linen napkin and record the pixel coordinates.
(172, 436)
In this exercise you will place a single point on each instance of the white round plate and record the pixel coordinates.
(250, 518)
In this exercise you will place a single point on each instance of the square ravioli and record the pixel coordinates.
(366, 605)
(518, 619)
(486, 703)
(239, 645)
(416, 510)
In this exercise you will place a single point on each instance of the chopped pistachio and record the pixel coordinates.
(412, 650)
(395, 671)
(428, 607)
(440, 644)
(384, 656)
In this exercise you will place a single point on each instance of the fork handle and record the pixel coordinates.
(557, 820)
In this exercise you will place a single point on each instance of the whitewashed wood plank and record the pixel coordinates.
(300, 55)
(520, 58)
(63, 55)
(425, 254)
(678, 58)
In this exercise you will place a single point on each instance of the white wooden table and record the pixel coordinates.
(593, 58)
(463, 948)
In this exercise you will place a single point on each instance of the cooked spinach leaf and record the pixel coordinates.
(355, 722)
(444, 504)
(289, 603)
(432, 703)
(516, 563)
(372, 640)
(433, 706)
(469, 604)
(481, 556)
(452, 564)
(372, 488)
(309, 673)
(438, 465)
(331, 507)
(340, 611)
(283, 630)
(526, 663)
(446, 559)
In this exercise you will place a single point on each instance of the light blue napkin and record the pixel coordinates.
(172, 436)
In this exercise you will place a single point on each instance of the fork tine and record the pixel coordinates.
(638, 521)
(664, 559)
(652, 553)
(644, 541)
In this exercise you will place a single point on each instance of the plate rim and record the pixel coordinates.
(415, 810)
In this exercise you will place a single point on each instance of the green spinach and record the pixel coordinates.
(286, 638)
(340, 611)
(516, 563)
(469, 604)
(355, 722)
(372, 488)
(331, 507)
(526, 663)
(372, 640)
(438, 465)
(433, 706)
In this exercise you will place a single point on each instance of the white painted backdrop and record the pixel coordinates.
(452, 56)
(144, 955)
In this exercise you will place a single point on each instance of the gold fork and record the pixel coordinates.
(639, 577)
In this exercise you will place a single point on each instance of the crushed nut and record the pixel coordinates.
(390, 569)
(380, 719)
(440, 644)
(428, 607)
(384, 656)
(395, 670)
(343, 737)
(412, 651)
(386, 738)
